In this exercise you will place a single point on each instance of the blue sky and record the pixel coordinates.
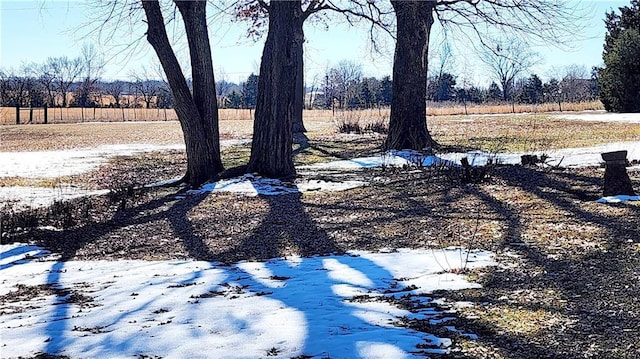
(32, 31)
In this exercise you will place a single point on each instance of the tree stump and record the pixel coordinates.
(616, 179)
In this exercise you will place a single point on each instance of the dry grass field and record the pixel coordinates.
(78, 115)
(499, 133)
(567, 284)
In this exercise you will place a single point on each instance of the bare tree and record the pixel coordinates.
(92, 67)
(145, 86)
(197, 111)
(272, 130)
(223, 86)
(46, 77)
(576, 83)
(5, 88)
(407, 123)
(280, 68)
(507, 60)
(551, 21)
(340, 78)
(257, 12)
(19, 89)
(114, 89)
(65, 72)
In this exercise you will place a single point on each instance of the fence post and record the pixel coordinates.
(17, 115)
(30, 114)
(46, 118)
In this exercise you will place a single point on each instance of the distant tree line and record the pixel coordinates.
(59, 86)
(67, 82)
(529, 90)
(343, 87)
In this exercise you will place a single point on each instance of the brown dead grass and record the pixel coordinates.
(523, 132)
(102, 114)
(437, 109)
(531, 132)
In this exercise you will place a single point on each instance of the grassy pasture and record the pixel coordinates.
(499, 133)
(78, 115)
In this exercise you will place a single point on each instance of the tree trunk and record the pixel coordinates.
(198, 118)
(204, 84)
(408, 122)
(271, 153)
(298, 106)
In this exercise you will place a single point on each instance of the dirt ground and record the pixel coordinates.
(568, 280)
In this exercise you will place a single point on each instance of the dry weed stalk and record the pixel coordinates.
(464, 246)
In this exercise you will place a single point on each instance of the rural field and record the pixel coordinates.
(104, 114)
(366, 254)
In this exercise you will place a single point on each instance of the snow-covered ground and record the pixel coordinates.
(51, 164)
(321, 307)
(58, 163)
(601, 116)
(35, 197)
(569, 157)
(251, 185)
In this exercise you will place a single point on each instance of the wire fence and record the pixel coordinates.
(12, 115)
(40, 115)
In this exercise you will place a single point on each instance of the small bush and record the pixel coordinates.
(349, 126)
(354, 122)
(377, 126)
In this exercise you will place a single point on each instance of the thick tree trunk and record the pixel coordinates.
(204, 84)
(197, 116)
(298, 106)
(271, 153)
(408, 122)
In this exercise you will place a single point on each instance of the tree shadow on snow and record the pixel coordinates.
(313, 286)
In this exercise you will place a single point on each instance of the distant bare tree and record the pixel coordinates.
(223, 87)
(576, 84)
(5, 88)
(12, 89)
(92, 66)
(19, 89)
(340, 78)
(46, 77)
(508, 59)
(114, 89)
(146, 88)
(65, 71)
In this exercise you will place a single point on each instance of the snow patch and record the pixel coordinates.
(618, 199)
(52, 164)
(251, 185)
(601, 116)
(319, 307)
(569, 157)
(35, 197)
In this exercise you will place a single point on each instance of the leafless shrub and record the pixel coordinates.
(379, 125)
(348, 125)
